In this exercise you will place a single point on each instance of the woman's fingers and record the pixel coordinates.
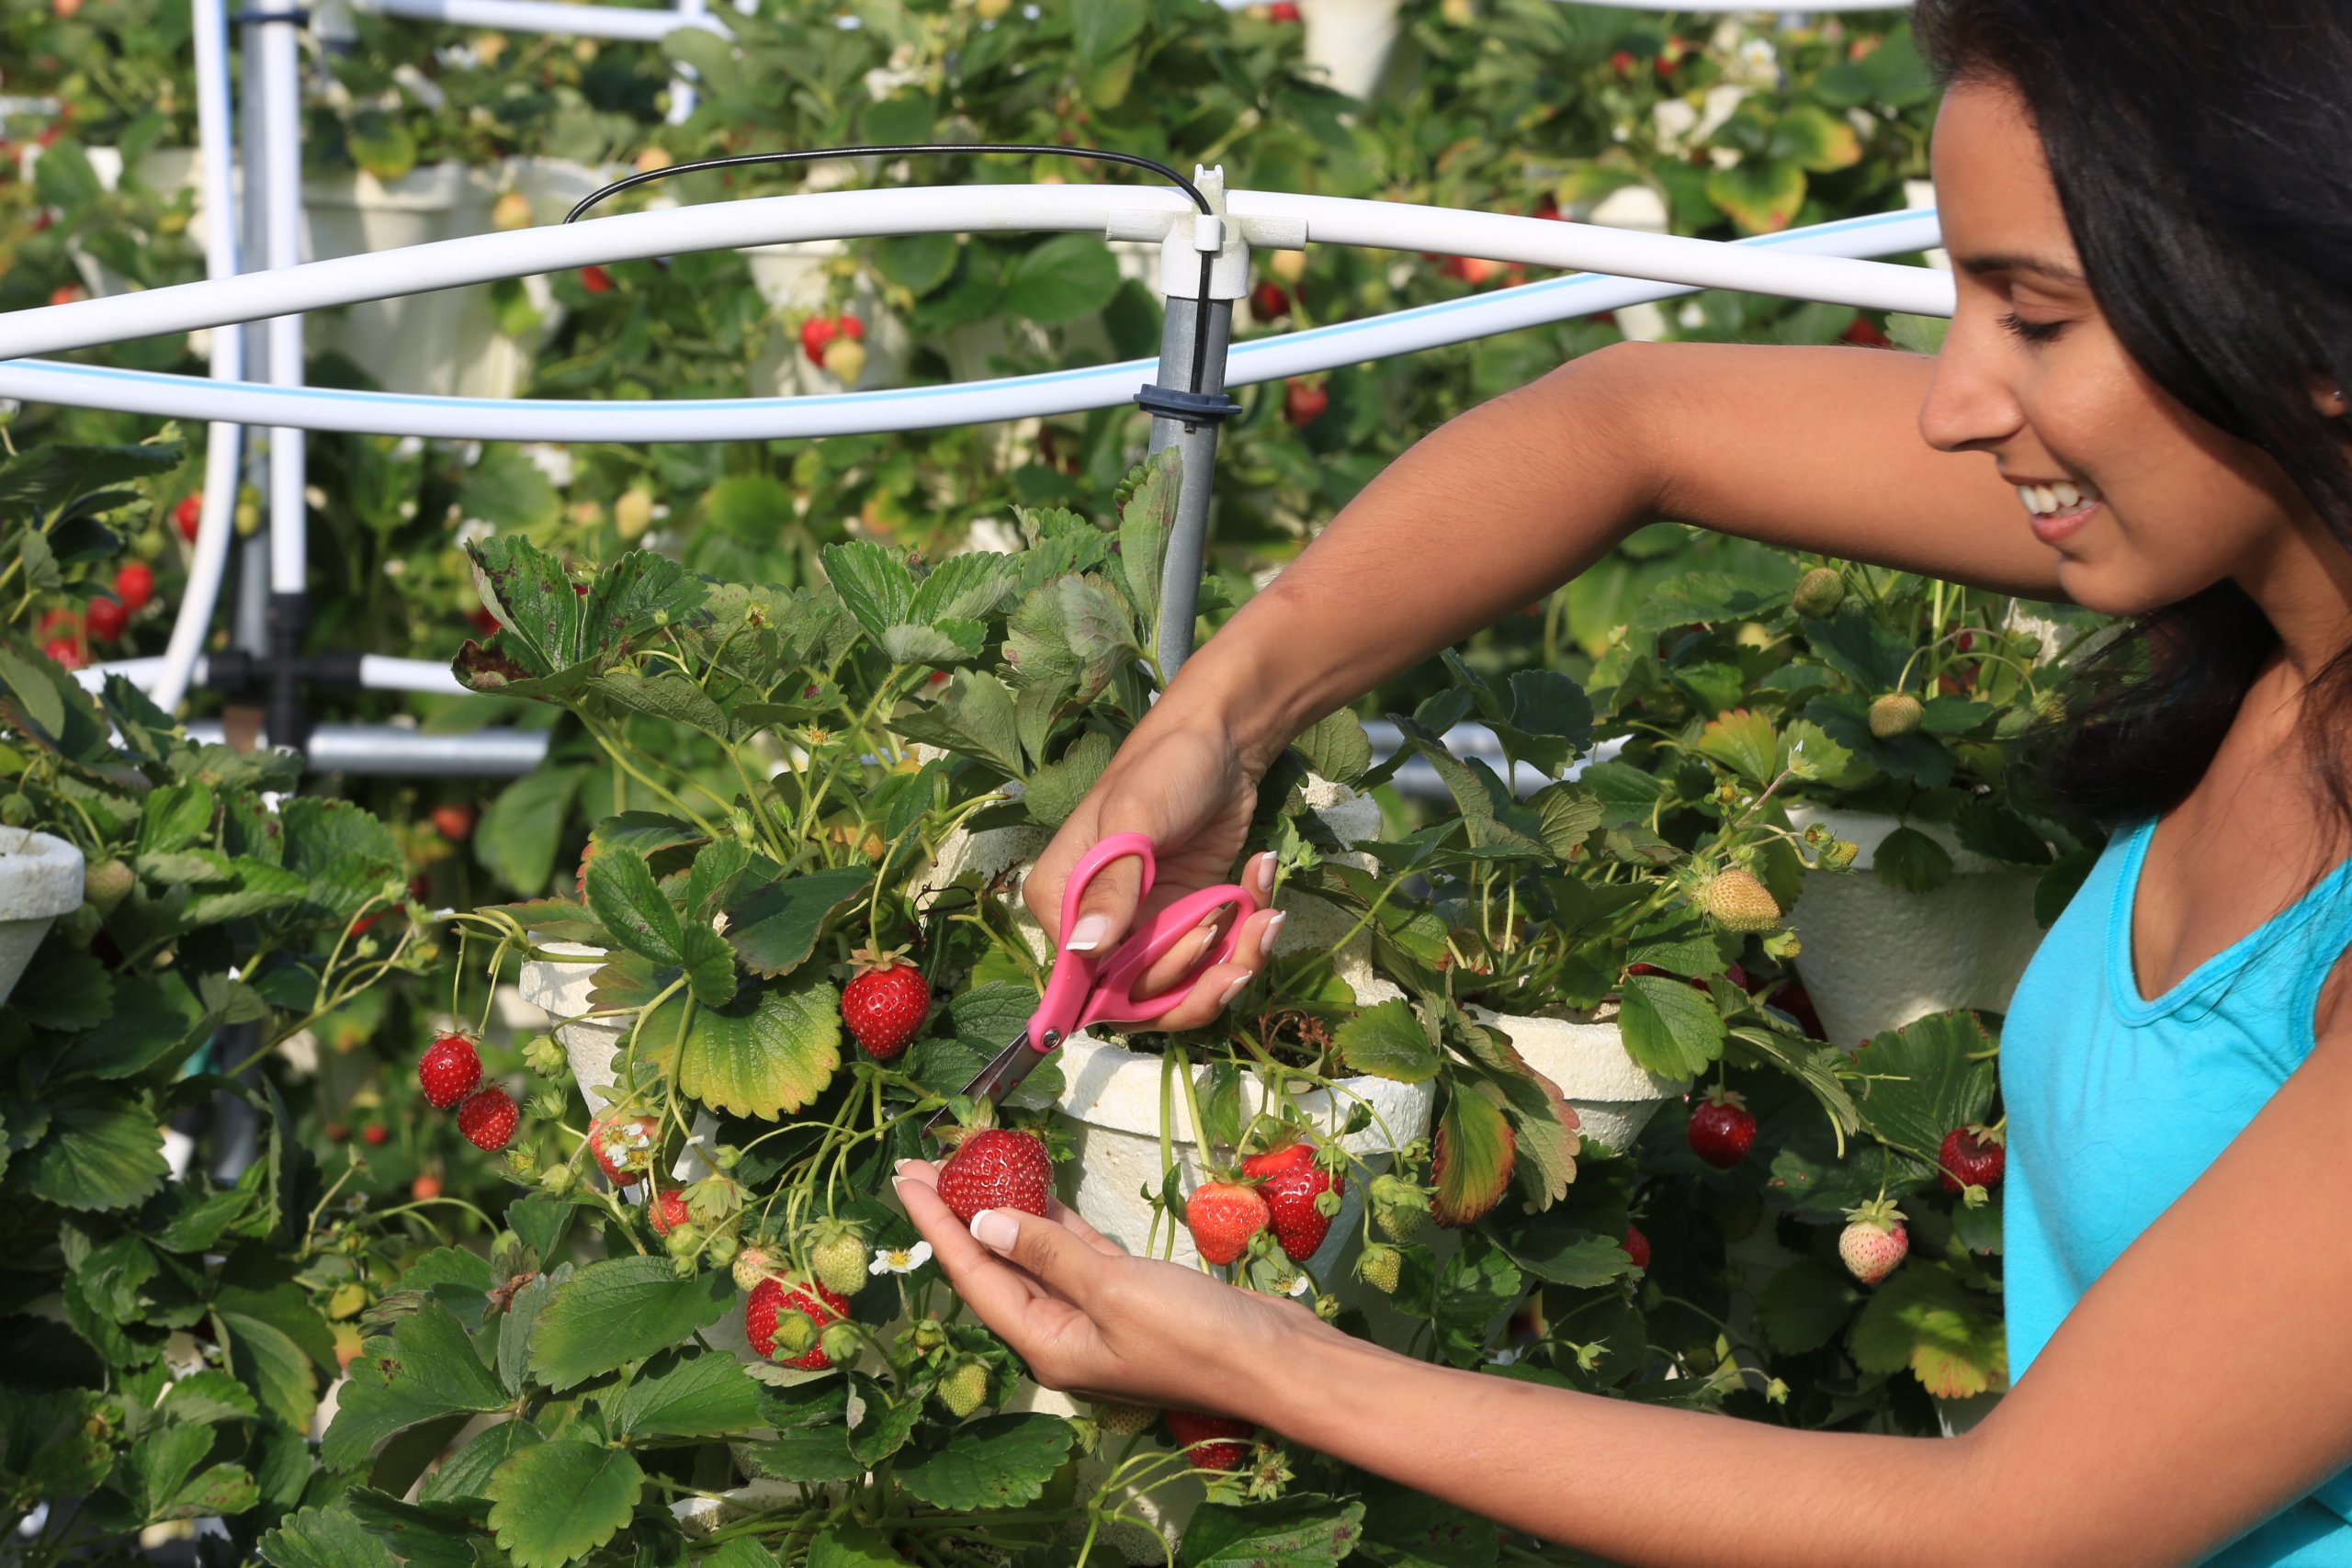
(1220, 985)
(999, 1294)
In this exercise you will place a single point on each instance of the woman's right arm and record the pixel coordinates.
(1814, 449)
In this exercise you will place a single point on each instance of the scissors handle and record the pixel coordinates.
(1100, 987)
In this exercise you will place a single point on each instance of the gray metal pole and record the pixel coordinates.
(1180, 573)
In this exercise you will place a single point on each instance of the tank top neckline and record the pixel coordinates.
(2124, 978)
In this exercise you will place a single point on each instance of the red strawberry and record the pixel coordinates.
(1721, 1129)
(884, 1004)
(449, 1069)
(1268, 301)
(997, 1168)
(1971, 1157)
(1873, 1241)
(105, 619)
(624, 1147)
(375, 1134)
(1283, 11)
(65, 651)
(65, 294)
(667, 1212)
(595, 279)
(1212, 1442)
(814, 334)
(1289, 1181)
(187, 515)
(772, 1298)
(488, 1119)
(135, 586)
(454, 820)
(1304, 402)
(1864, 332)
(1223, 1216)
(61, 620)
(1637, 1245)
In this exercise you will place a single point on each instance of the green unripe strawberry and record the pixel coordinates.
(837, 1256)
(1734, 900)
(1119, 1418)
(1897, 712)
(964, 1388)
(1381, 1267)
(796, 1335)
(105, 884)
(1838, 854)
(721, 1250)
(1819, 592)
(1398, 1207)
(841, 1343)
(684, 1241)
(558, 1178)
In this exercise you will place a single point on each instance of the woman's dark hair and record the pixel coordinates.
(2200, 152)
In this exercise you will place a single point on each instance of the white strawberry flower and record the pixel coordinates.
(1299, 1285)
(899, 1259)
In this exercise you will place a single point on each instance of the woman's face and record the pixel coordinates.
(2161, 503)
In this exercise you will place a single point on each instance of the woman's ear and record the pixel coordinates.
(2328, 398)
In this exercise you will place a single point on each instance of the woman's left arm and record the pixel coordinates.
(2159, 1422)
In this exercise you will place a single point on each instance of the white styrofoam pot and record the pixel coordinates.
(40, 879)
(1875, 958)
(592, 1045)
(1612, 1095)
(1349, 40)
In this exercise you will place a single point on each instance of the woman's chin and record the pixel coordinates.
(2108, 588)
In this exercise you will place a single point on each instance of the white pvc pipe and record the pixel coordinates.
(917, 408)
(551, 16)
(377, 673)
(691, 13)
(223, 442)
(281, 95)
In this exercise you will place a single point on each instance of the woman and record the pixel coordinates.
(2149, 210)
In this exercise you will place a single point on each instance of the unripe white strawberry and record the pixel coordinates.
(1819, 592)
(633, 514)
(845, 360)
(1873, 1241)
(1288, 266)
(1737, 902)
(752, 1265)
(513, 211)
(1897, 712)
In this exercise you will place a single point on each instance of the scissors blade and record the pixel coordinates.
(998, 1079)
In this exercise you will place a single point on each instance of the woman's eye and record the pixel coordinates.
(2033, 332)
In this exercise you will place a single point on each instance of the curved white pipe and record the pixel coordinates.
(281, 106)
(549, 17)
(921, 210)
(918, 407)
(223, 442)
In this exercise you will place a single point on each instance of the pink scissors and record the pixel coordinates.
(1098, 987)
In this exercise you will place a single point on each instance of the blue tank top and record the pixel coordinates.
(2086, 1065)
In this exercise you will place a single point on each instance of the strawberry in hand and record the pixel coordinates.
(1294, 1181)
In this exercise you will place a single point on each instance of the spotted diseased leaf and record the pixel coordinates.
(1306, 1530)
(549, 626)
(1472, 1156)
(557, 1501)
(998, 1461)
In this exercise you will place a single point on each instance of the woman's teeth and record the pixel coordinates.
(2045, 500)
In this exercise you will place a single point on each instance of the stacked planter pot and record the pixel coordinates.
(1875, 958)
(40, 879)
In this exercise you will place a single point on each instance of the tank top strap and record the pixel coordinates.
(2322, 923)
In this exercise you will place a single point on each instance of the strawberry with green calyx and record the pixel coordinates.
(1971, 1156)
(1734, 900)
(774, 1303)
(1873, 1241)
(1399, 1208)
(839, 1343)
(964, 1387)
(624, 1147)
(1302, 1193)
(1819, 592)
(1637, 1246)
(885, 1002)
(448, 1071)
(488, 1119)
(1381, 1267)
(1211, 1442)
(544, 1054)
(106, 882)
(1722, 1128)
(837, 1256)
(1897, 712)
(1223, 1217)
(684, 1240)
(996, 1167)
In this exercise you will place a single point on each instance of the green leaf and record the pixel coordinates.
(1055, 789)
(1911, 861)
(1706, 598)
(1669, 1028)
(560, 1500)
(1814, 1066)
(1926, 1078)
(997, 1461)
(325, 1538)
(1304, 1531)
(872, 581)
(1566, 815)
(1923, 1320)
(467, 1472)
(2057, 886)
(1068, 276)
(773, 927)
(429, 1370)
(1476, 1286)
(769, 1052)
(745, 1552)
(274, 1365)
(1389, 1041)
(817, 1454)
(515, 839)
(1101, 30)
(617, 1311)
(1999, 834)
(102, 1150)
(1146, 522)
(684, 1394)
(1804, 1306)
(1744, 742)
(1546, 702)
(852, 1546)
(621, 891)
(1474, 1158)
(1852, 643)
(1412, 1530)
(665, 695)
(1335, 746)
(974, 719)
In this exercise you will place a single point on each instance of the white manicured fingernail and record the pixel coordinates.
(1273, 928)
(995, 1231)
(1266, 874)
(1240, 983)
(1088, 933)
